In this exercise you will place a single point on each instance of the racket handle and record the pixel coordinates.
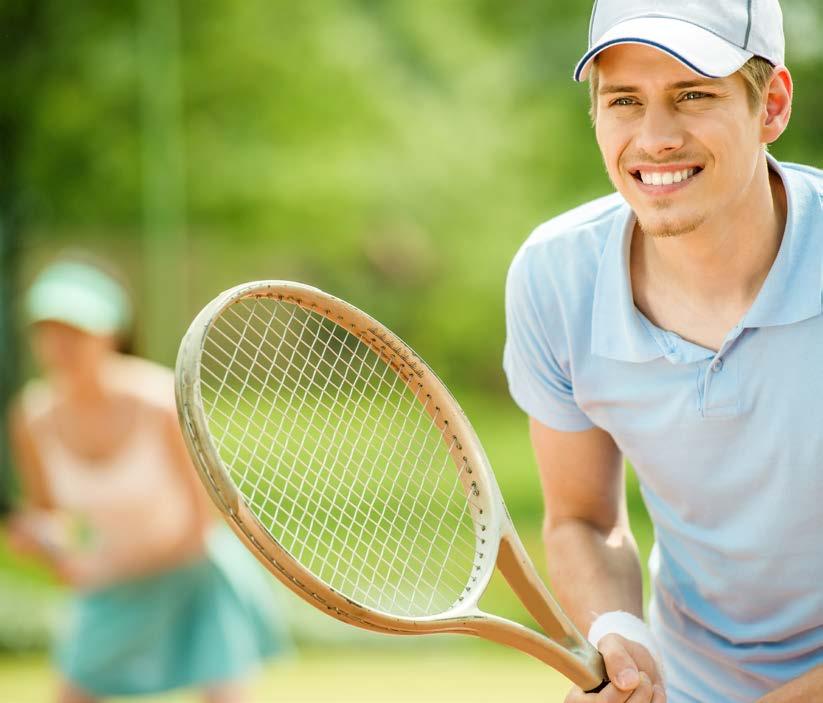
(600, 687)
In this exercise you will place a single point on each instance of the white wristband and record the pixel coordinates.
(619, 622)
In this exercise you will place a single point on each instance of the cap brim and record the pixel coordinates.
(73, 306)
(80, 296)
(698, 49)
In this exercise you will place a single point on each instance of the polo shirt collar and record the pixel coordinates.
(791, 292)
(618, 329)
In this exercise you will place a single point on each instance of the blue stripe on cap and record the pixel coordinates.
(636, 40)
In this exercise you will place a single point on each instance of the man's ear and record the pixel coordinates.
(777, 107)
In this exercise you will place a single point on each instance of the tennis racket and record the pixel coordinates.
(348, 469)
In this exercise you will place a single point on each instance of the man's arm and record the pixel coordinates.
(804, 689)
(593, 562)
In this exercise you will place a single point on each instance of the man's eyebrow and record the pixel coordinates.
(680, 85)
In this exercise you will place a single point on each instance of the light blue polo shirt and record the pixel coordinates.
(728, 446)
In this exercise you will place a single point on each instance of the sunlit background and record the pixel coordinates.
(391, 152)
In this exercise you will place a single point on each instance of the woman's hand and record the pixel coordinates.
(37, 532)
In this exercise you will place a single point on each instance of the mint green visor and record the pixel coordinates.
(81, 296)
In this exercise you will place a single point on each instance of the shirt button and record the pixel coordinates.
(717, 364)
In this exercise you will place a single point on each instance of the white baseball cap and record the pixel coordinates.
(711, 37)
(80, 295)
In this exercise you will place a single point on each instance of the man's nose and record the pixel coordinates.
(659, 132)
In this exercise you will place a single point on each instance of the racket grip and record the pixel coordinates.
(603, 685)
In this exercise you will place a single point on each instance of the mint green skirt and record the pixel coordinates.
(210, 621)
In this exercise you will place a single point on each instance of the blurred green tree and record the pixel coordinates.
(23, 26)
(394, 153)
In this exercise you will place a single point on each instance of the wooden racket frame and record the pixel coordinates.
(562, 646)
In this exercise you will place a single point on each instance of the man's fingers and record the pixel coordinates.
(625, 660)
(610, 694)
(620, 665)
(644, 661)
(632, 671)
(644, 692)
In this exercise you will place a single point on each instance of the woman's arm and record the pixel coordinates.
(30, 469)
(28, 525)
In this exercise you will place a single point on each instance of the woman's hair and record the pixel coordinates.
(755, 73)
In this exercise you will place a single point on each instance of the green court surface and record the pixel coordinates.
(394, 674)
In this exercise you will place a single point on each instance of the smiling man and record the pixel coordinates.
(678, 322)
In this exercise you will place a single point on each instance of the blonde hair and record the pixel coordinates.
(756, 73)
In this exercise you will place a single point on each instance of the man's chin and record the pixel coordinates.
(663, 227)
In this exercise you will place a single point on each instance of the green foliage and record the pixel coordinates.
(394, 153)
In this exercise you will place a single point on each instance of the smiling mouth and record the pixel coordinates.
(667, 178)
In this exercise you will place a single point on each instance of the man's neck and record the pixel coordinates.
(715, 271)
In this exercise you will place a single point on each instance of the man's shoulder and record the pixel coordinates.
(803, 173)
(804, 186)
(571, 244)
(805, 170)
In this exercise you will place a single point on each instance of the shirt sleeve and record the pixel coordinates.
(537, 382)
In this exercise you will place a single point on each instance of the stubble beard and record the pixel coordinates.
(664, 227)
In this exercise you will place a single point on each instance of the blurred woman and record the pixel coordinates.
(161, 598)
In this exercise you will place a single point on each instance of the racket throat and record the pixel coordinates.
(514, 563)
(583, 667)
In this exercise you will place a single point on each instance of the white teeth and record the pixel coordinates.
(658, 178)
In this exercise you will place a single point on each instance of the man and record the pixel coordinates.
(678, 322)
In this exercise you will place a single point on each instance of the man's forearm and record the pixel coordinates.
(804, 689)
(592, 572)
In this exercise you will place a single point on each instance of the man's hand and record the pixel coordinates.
(633, 673)
(805, 689)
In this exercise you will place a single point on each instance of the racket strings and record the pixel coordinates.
(244, 427)
(316, 507)
(331, 410)
(274, 517)
(367, 380)
(244, 381)
(347, 467)
(363, 527)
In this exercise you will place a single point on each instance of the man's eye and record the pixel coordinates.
(695, 94)
(622, 101)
